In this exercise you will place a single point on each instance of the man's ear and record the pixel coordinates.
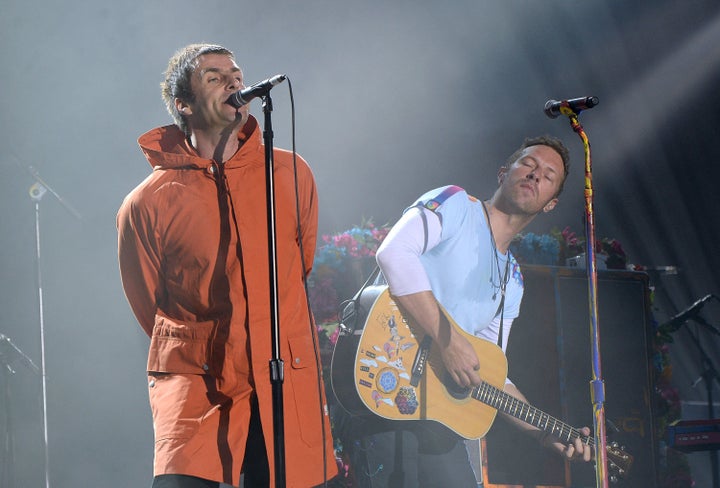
(550, 205)
(182, 107)
(501, 174)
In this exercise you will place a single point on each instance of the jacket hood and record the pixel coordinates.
(167, 147)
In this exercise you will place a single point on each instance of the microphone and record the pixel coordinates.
(691, 313)
(552, 107)
(244, 96)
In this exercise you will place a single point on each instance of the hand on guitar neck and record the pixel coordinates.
(576, 449)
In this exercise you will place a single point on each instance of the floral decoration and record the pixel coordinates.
(342, 263)
(536, 249)
(556, 248)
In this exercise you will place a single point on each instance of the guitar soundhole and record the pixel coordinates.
(454, 390)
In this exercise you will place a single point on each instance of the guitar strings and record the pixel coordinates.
(505, 402)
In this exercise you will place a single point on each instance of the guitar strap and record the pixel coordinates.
(350, 309)
(501, 312)
(420, 206)
(502, 300)
(503, 282)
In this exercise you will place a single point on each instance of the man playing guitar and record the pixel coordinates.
(448, 254)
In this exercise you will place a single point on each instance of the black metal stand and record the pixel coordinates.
(277, 373)
(709, 375)
(6, 361)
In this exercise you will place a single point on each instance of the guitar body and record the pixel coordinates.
(383, 380)
(391, 369)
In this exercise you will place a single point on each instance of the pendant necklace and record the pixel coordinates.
(503, 277)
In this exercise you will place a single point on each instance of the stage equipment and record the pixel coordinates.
(547, 354)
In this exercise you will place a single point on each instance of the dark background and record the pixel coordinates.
(392, 98)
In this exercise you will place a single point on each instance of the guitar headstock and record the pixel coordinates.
(619, 461)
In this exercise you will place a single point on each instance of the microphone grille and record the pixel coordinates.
(550, 111)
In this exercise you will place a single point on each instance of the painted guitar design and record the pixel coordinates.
(398, 375)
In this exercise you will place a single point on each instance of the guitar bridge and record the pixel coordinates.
(420, 361)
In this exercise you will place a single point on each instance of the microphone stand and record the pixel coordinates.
(37, 191)
(597, 386)
(8, 478)
(277, 373)
(708, 375)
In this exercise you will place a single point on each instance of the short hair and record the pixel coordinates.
(177, 77)
(551, 142)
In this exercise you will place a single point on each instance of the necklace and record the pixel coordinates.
(502, 277)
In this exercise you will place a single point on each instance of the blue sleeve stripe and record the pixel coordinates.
(434, 203)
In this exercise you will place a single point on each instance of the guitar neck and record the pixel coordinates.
(506, 403)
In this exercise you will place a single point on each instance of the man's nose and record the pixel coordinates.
(531, 176)
(234, 84)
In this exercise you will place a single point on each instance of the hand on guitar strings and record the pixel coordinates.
(576, 450)
(460, 360)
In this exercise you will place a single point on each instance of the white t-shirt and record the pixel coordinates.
(443, 243)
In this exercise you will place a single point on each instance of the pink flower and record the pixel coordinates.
(569, 237)
(334, 336)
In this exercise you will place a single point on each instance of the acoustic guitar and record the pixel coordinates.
(397, 374)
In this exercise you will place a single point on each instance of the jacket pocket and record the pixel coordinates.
(179, 405)
(179, 347)
(303, 376)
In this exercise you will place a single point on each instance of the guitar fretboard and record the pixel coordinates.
(506, 403)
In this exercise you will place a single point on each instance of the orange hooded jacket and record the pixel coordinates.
(194, 265)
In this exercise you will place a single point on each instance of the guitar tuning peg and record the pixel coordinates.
(615, 478)
(616, 445)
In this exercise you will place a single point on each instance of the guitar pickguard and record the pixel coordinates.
(384, 360)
